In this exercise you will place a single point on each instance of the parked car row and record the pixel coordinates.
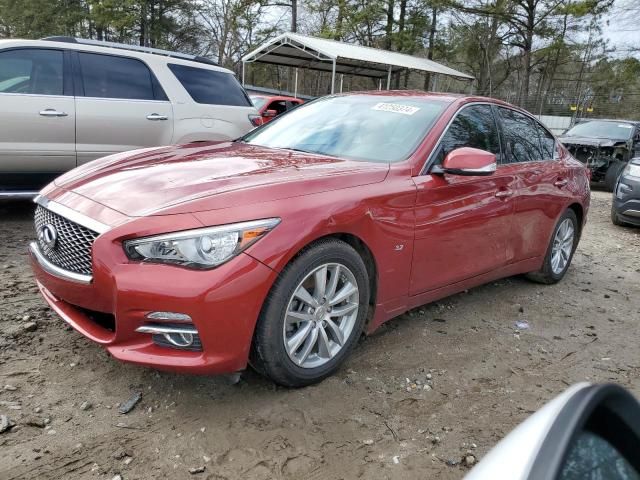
(67, 101)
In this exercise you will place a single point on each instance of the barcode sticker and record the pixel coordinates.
(396, 108)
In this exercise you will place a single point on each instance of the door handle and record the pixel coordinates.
(50, 112)
(561, 182)
(156, 116)
(504, 193)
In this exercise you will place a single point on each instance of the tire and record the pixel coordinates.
(615, 219)
(269, 355)
(548, 274)
(613, 172)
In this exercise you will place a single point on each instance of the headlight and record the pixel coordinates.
(632, 170)
(202, 248)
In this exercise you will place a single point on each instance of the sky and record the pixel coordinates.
(622, 28)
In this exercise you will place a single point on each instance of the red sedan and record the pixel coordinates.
(280, 249)
(270, 107)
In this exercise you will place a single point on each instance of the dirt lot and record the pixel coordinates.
(368, 421)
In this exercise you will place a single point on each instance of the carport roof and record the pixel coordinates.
(295, 50)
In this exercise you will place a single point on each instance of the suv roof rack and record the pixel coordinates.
(134, 48)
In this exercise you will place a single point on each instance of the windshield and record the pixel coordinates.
(601, 129)
(258, 102)
(358, 127)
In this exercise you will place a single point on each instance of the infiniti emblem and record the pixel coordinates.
(48, 235)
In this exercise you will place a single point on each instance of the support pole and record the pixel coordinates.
(379, 84)
(333, 77)
(341, 81)
(389, 78)
(295, 89)
(243, 73)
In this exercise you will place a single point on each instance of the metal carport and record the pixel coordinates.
(301, 51)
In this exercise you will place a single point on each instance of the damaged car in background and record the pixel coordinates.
(605, 146)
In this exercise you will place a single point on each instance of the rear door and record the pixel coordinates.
(531, 152)
(463, 224)
(120, 106)
(37, 125)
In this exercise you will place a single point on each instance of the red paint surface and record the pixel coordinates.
(430, 235)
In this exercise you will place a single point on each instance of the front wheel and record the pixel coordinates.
(615, 219)
(560, 251)
(313, 315)
(612, 174)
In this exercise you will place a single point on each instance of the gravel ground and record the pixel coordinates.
(441, 383)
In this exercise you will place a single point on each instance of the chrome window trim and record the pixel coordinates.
(72, 215)
(427, 163)
(125, 100)
(55, 270)
(18, 194)
(37, 95)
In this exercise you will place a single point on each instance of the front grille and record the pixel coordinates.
(72, 247)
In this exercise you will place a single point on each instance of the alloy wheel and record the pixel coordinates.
(562, 246)
(321, 315)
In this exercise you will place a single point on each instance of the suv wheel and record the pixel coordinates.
(313, 315)
(615, 219)
(560, 251)
(613, 172)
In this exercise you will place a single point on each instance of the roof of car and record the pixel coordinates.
(443, 96)
(275, 97)
(134, 51)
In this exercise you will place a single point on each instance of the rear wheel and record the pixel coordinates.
(560, 251)
(613, 172)
(313, 315)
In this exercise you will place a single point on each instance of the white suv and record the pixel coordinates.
(67, 101)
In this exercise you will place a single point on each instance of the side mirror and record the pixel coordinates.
(270, 113)
(468, 161)
(588, 432)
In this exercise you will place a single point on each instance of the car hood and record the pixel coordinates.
(590, 141)
(177, 179)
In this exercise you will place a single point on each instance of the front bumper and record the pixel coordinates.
(626, 200)
(223, 303)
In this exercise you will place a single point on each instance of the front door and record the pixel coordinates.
(121, 107)
(37, 126)
(463, 224)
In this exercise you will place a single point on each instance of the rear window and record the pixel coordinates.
(211, 87)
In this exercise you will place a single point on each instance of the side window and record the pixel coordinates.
(547, 142)
(279, 106)
(474, 126)
(522, 143)
(32, 71)
(107, 76)
(210, 87)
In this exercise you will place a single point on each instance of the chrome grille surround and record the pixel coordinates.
(72, 250)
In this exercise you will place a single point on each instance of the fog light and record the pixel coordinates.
(177, 336)
(169, 317)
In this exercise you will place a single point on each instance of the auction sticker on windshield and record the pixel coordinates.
(395, 107)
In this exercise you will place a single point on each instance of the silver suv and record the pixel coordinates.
(66, 101)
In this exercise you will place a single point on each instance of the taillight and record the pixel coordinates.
(256, 120)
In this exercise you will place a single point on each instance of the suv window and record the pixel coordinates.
(32, 71)
(211, 87)
(522, 143)
(474, 126)
(108, 76)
